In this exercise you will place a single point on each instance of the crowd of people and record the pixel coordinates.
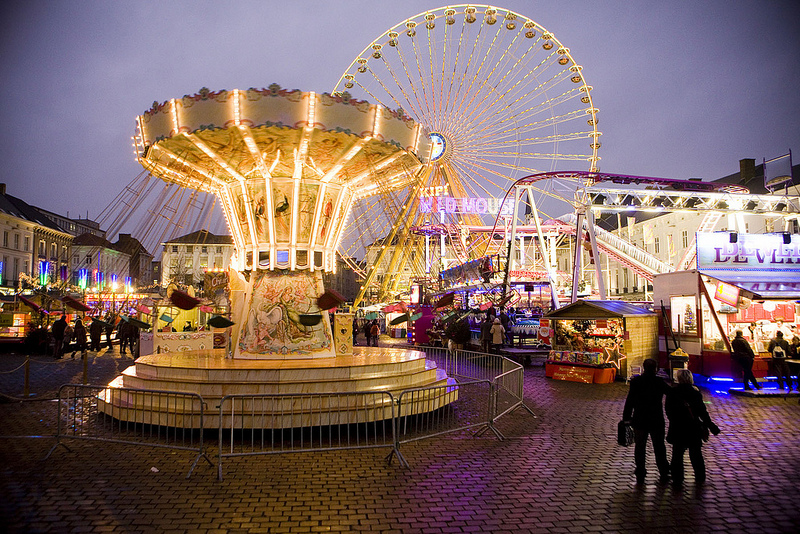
(79, 339)
(689, 423)
(370, 328)
(779, 348)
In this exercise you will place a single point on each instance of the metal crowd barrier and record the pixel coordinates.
(505, 375)
(154, 418)
(435, 410)
(252, 425)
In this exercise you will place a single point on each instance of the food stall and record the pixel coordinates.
(593, 340)
(742, 282)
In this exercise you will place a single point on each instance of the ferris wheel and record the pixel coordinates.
(498, 95)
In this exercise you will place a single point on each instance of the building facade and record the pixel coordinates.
(96, 263)
(41, 248)
(185, 259)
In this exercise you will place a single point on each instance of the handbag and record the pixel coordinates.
(700, 427)
(624, 433)
(703, 429)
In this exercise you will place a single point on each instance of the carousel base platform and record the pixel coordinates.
(299, 381)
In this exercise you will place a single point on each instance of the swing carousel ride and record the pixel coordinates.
(287, 166)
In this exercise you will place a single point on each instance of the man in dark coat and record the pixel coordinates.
(368, 331)
(486, 334)
(95, 335)
(58, 329)
(744, 356)
(644, 408)
(779, 348)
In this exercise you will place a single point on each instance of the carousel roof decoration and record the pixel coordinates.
(286, 167)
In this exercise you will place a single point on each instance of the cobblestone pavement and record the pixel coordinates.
(559, 472)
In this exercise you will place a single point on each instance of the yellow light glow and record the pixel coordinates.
(237, 119)
(175, 124)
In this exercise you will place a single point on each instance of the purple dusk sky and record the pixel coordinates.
(685, 88)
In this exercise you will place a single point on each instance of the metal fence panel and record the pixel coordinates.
(435, 410)
(154, 418)
(278, 423)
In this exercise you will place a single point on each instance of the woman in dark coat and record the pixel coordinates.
(684, 406)
(744, 356)
(79, 333)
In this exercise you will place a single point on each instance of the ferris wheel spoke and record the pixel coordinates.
(517, 107)
(490, 85)
(539, 107)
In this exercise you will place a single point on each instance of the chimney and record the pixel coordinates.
(747, 170)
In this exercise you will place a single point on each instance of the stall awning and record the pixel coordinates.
(599, 309)
(763, 285)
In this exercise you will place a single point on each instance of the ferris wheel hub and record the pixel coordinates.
(441, 147)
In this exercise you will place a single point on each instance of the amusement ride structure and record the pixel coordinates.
(500, 97)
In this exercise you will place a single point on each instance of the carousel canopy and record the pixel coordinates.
(287, 166)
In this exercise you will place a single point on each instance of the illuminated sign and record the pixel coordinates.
(470, 205)
(535, 275)
(727, 293)
(751, 252)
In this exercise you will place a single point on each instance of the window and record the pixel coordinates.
(42, 249)
(685, 238)
(655, 244)
(683, 314)
(219, 250)
(27, 243)
(218, 262)
(187, 263)
(5, 239)
(189, 248)
(204, 262)
(53, 250)
(175, 248)
(63, 251)
(204, 250)
(16, 241)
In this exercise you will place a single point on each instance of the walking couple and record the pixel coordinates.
(688, 419)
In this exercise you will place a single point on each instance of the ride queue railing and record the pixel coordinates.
(252, 425)
(154, 418)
